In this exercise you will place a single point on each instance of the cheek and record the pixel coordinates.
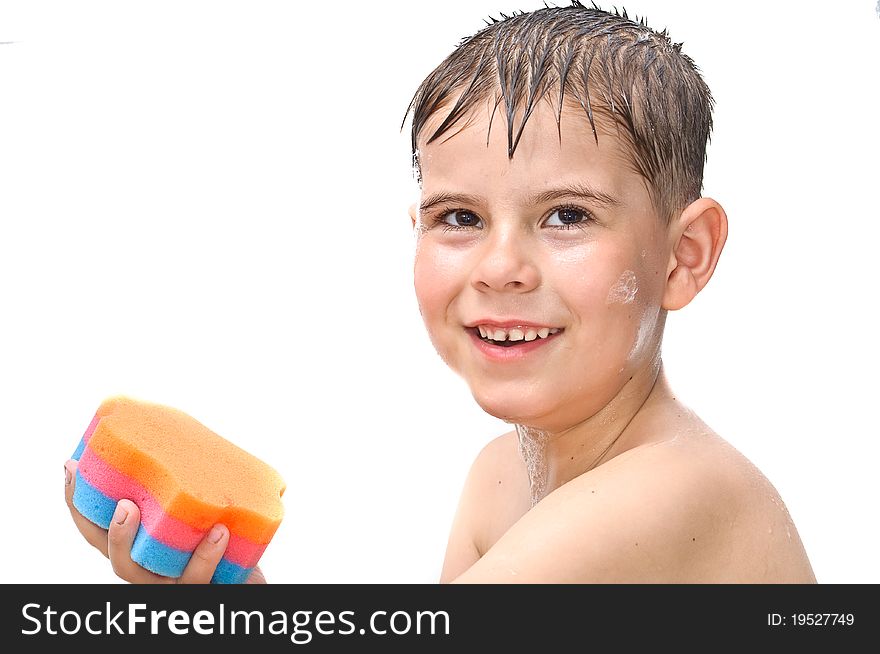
(587, 278)
(614, 301)
(436, 274)
(632, 299)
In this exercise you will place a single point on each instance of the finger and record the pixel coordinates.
(120, 536)
(206, 556)
(93, 534)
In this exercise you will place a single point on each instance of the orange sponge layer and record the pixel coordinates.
(195, 475)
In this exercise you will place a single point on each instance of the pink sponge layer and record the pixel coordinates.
(161, 526)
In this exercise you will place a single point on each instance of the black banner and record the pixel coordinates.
(433, 618)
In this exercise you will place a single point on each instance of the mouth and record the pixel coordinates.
(514, 336)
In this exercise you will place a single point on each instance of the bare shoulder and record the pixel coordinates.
(689, 509)
(713, 515)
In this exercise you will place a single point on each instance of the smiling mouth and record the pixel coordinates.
(513, 336)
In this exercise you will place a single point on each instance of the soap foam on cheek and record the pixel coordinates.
(646, 329)
(624, 289)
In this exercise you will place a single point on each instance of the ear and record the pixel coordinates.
(413, 214)
(700, 233)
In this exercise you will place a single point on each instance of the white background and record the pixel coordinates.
(204, 205)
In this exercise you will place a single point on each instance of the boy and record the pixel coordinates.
(560, 157)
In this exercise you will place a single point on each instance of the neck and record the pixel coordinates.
(554, 458)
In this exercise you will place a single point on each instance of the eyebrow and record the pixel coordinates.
(577, 190)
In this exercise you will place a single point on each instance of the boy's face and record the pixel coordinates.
(571, 285)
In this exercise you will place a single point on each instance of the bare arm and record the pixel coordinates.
(656, 515)
(461, 549)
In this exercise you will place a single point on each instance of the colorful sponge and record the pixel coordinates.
(184, 478)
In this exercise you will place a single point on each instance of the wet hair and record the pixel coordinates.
(619, 72)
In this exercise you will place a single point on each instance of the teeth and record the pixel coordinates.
(516, 333)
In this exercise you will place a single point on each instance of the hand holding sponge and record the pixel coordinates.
(184, 478)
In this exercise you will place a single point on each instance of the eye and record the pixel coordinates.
(568, 217)
(460, 219)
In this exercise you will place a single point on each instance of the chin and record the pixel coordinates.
(511, 408)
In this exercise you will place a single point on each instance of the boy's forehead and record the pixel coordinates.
(546, 151)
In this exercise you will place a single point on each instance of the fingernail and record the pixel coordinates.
(67, 477)
(215, 535)
(120, 515)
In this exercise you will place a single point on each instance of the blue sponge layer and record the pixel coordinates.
(79, 449)
(146, 551)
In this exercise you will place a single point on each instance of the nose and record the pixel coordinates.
(505, 264)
